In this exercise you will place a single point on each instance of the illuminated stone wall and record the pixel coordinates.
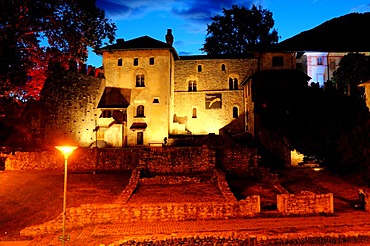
(156, 159)
(266, 60)
(158, 86)
(237, 160)
(305, 203)
(211, 81)
(67, 110)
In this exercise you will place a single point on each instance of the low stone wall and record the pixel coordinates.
(89, 214)
(367, 201)
(237, 160)
(305, 203)
(178, 159)
(131, 186)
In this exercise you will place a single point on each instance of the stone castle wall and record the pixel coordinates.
(305, 203)
(212, 80)
(155, 159)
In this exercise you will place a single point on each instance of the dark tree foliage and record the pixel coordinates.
(35, 33)
(240, 29)
(354, 68)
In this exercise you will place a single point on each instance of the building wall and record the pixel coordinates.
(267, 60)
(321, 65)
(158, 86)
(212, 81)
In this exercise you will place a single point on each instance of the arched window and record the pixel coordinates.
(223, 67)
(199, 68)
(230, 83)
(140, 80)
(194, 113)
(136, 61)
(119, 63)
(233, 83)
(140, 111)
(192, 85)
(235, 112)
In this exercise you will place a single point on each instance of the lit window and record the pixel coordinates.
(119, 62)
(192, 85)
(233, 83)
(235, 112)
(319, 61)
(140, 80)
(194, 113)
(277, 61)
(136, 61)
(199, 68)
(223, 67)
(151, 61)
(140, 111)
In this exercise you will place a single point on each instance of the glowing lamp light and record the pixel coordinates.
(67, 151)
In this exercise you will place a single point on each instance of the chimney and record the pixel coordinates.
(169, 37)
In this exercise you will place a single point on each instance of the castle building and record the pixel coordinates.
(151, 93)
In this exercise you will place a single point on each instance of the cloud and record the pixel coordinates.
(196, 11)
(361, 8)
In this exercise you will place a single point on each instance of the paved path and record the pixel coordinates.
(345, 224)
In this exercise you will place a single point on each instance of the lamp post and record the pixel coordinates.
(67, 151)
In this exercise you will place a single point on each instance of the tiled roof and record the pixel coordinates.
(115, 98)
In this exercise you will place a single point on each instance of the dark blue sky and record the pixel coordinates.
(188, 19)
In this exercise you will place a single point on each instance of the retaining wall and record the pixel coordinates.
(305, 203)
(155, 160)
(89, 214)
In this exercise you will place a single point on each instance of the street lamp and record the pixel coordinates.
(67, 151)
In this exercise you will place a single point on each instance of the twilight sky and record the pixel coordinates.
(188, 19)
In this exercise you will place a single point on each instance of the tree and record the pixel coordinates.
(36, 33)
(239, 30)
(353, 69)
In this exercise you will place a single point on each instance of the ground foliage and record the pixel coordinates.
(34, 34)
(239, 29)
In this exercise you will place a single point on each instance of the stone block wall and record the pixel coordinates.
(305, 203)
(237, 160)
(367, 201)
(89, 214)
(178, 160)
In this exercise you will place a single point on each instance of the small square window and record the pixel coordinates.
(156, 100)
(151, 61)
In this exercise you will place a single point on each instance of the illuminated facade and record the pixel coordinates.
(320, 66)
(151, 92)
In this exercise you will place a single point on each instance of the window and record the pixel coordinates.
(199, 68)
(277, 61)
(140, 111)
(223, 67)
(233, 83)
(140, 138)
(156, 100)
(332, 64)
(119, 63)
(151, 61)
(194, 113)
(136, 61)
(192, 85)
(235, 112)
(106, 114)
(319, 61)
(140, 80)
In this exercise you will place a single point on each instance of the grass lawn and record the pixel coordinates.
(34, 197)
